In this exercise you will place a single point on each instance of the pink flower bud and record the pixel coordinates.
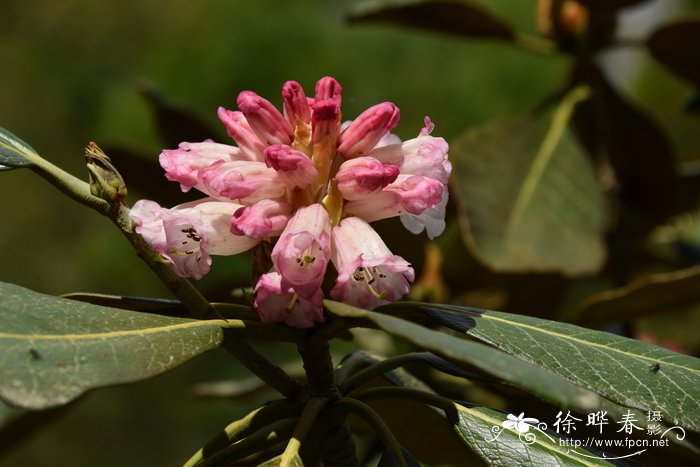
(366, 130)
(360, 177)
(324, 121)
(276, 303)
(265, 120)
(328, 88)
(248, 181)
(302, 252)
(188, 234)
(239, 130)
(293, 167)
(183, 164)
(266, 218)
(409, 194)
(296, 104)
(368, 273)
(326, 110)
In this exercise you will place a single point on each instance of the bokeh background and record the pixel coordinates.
(75, 71)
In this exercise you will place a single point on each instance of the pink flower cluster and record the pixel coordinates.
(302, 176)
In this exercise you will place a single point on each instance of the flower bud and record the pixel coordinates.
(105, 180)
(265, 120)
(367, 129)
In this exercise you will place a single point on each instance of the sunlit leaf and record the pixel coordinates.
(657, 293)
(14, 153)
(53, 349)
(445, 16)
(671, 45)
(626, 371)
(277, 462)
(527, 196)
(480, 428)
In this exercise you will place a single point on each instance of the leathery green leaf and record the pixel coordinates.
(481, 429)
(529, 377)
(528, 198)
(52, 349)
(626, 371)
(14, 153)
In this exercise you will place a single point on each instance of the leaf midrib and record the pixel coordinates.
(587, 343)
(231, 323)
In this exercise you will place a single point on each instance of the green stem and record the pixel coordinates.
(318, 364)
(272, 411)
(349, 366)
(366, 413)
(77, 189)
(411, 394)
(385, 366)
(258, 441)
(306, 421)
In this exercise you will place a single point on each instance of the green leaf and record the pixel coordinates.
(14, 153)
(480, 428)
(628, 372)
(528, 199)
(657, 293)
(52, 349)
(529, 377)
(451, 17)
(670, 45)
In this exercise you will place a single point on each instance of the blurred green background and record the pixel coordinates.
(69, 74)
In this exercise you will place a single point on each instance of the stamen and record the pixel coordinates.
(288, 309)
(369, 279)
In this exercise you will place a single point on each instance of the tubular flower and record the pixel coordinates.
(187, 234)
(301, 175)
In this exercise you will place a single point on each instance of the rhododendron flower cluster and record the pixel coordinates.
(316, 184)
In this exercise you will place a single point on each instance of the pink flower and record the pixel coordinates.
(188, 234)
(278, 304)
(368, 129)
(240, 131)
(293, 167)
(183, 164)
(249, 181)
(266, 218)
(266, 121)
(368, 274)
(302, 252)
(360, 177)
(410, 194)
(296, 104)
(300, 175)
